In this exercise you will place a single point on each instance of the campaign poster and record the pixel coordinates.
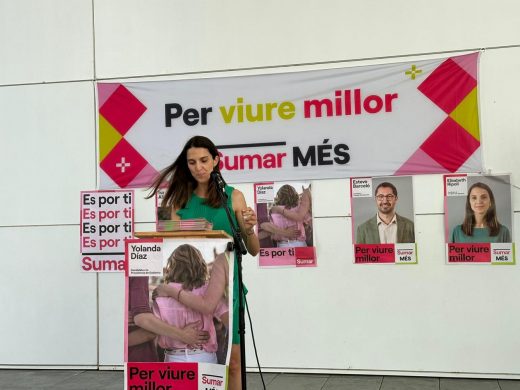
(383, 224)
(478, 219)
(157, 353)
(285, 230)
(106, 222)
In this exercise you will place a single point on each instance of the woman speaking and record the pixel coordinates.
(192, 194)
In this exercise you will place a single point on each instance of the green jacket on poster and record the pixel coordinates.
(368, 233)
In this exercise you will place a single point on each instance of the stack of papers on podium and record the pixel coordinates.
(185, 224)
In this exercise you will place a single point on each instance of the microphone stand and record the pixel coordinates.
(240, 249)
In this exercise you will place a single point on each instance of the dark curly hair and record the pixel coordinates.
(181, 182)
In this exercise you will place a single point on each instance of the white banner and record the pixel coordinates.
(394, 119)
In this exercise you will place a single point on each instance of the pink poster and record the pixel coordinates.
(106, 222)
(285, 227)
(177, 333)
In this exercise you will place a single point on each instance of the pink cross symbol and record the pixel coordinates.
(123, 165)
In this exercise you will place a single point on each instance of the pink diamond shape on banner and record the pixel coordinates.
(447, 85)
(469, 63)
(420, 162)
(123, 163)
(104, 92)
(450, 145)
(144, 178)
(122, 109)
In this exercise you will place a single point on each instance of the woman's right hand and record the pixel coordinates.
(193, 336)
(291, 233)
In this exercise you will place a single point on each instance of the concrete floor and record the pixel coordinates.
(113, 380)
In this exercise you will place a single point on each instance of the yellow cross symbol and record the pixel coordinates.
(412, 72)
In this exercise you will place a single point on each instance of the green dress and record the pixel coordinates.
(196, 208)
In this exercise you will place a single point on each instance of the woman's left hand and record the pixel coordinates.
(163, 290)
(249, 218)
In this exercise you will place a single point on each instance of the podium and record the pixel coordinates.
(185, 234)
(155, 356)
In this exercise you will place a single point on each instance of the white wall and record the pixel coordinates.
(337, 317)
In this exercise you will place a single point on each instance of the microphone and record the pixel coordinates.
(218, 180)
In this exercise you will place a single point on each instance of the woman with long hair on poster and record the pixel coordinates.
(480, 221)
(192, 194)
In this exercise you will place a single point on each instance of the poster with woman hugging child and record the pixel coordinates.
(178, 312)
(285, 231)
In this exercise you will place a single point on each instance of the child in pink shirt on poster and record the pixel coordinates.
(186, 270)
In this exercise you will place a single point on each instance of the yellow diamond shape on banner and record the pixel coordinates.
(108, 137)
(466, 114)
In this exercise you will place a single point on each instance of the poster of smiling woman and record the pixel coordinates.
(383, 228)
(478, 219)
